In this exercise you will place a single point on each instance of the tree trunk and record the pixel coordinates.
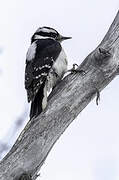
(65, 102)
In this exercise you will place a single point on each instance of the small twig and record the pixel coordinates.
(98, 96)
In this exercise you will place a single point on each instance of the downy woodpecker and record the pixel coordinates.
(46, 63)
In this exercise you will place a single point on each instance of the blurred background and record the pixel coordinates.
(89, 148)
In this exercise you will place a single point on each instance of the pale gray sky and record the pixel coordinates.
(89, 149)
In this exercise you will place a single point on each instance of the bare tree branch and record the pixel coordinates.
(66, 101)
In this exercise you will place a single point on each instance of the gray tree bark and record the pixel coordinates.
(66, 101)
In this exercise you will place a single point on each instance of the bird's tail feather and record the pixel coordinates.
(36, 105)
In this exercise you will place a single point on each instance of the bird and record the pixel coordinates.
(46, 64)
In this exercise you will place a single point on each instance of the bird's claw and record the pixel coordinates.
(74, 70)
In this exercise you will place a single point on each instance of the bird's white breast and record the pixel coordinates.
(60, 65)
(58, 70)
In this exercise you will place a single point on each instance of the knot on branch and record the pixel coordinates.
(23, 176)
(102, 56)
(105, 53)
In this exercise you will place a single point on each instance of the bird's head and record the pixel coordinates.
(47, 32)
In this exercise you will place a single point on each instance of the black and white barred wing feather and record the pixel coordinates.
(35, 75)
(38, 66)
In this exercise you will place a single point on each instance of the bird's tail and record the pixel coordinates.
(36, 105)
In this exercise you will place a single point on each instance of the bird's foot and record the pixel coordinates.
(74, 70)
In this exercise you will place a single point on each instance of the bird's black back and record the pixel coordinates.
(47, 51)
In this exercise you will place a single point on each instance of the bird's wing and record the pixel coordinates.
(38, 68)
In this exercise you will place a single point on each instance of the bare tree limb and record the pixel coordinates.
(66, 101)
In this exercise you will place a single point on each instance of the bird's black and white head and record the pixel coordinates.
(48, 33)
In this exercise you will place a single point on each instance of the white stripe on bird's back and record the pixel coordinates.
(31, 52)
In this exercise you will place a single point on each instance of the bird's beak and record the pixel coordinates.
(62, 38)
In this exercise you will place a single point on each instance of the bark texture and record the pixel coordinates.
(66, 101)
